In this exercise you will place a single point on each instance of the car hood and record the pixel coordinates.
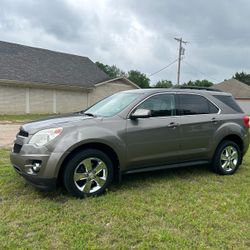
(56, 121)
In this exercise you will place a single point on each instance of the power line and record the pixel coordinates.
(212, 78)
(156, 72)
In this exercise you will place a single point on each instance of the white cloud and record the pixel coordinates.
(137, 34)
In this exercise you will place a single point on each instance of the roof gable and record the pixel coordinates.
(123, 79)
(236, 88)
(28, 64)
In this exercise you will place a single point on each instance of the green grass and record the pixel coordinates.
(189, 208)
(22, 118)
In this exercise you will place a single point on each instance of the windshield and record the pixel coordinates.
(112, 105)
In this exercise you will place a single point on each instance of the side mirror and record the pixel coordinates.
(141, 113)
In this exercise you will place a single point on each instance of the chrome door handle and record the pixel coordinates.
(173, 125)
(214, 120)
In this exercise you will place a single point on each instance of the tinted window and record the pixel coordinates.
(212, 108)
(160, 105)
(229, 101)
(195, 105)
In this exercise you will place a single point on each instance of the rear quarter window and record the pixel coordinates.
(230, 102)
(191, 104)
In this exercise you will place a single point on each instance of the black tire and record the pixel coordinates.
(91, 182)
(223, 164)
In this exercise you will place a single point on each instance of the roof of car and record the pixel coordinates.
(182, 90)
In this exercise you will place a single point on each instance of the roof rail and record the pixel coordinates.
(196, 87)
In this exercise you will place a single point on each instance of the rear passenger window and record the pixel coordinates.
(195, 105)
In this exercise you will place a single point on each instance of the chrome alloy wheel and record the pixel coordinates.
(229, 158)
(90, 175)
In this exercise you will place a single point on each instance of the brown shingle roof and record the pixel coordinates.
(238, 89)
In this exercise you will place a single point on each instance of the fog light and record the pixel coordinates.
(36, 166)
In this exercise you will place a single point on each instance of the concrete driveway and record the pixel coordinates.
(7, 134)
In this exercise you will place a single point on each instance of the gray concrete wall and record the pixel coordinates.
(245, 105)
(21, 100)
(69, 101)
(41, 100)
(12, 100)
(107, 89)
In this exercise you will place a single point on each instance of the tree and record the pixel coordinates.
(163, 84)
(112, 71)
(242, 77)
(139, 78)
(199, 83)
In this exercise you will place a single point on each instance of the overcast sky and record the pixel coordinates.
(138, 34)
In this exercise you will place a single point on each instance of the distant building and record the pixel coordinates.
(34, 80)
(239, 90)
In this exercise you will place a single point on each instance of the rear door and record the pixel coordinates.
(199, 119)
(154, 140)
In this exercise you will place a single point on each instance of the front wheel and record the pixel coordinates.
(88, 173)
(227, 158)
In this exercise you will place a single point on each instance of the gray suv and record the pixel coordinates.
(132, 131)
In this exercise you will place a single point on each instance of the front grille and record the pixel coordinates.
(23, 133)
(17, 148)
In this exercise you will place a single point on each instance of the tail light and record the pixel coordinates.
(246, 121)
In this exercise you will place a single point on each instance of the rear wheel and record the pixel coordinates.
(227, 158)
(88, 173)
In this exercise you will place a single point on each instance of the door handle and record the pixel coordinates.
(214, 120)
(173, 125)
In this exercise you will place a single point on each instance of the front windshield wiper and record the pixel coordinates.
(89, 114)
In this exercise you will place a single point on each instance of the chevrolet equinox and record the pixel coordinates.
(132, 131)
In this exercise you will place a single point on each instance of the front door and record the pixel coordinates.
(154, 140)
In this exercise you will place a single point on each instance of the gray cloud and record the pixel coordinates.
(137, 34)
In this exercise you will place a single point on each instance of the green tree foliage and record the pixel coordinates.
(139, 78)
(199, 83)
(112, 71)
(163, 84)
(242, 77)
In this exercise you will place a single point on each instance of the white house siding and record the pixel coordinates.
(107, 89)
(12, 100)
(245, 105)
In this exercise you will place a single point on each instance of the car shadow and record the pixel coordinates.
(136, 180)
(168, 174)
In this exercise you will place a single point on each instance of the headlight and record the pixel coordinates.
(44, 136)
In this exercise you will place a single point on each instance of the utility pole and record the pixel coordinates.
(181, 53)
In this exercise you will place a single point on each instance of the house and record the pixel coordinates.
(34, 80)
(239, 90)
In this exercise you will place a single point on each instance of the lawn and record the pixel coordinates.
(22, 118)
(188, 208)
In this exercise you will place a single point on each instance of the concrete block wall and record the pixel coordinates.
(107, 89)
(12, 100)
(70, 101)
(21, 100)
(245, 105)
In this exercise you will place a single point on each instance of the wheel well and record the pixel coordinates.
(236, 139)
(100, 146)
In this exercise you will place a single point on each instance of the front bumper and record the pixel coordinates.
(46, 177)
(44, 184)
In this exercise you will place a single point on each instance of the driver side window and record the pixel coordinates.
(159, 105)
